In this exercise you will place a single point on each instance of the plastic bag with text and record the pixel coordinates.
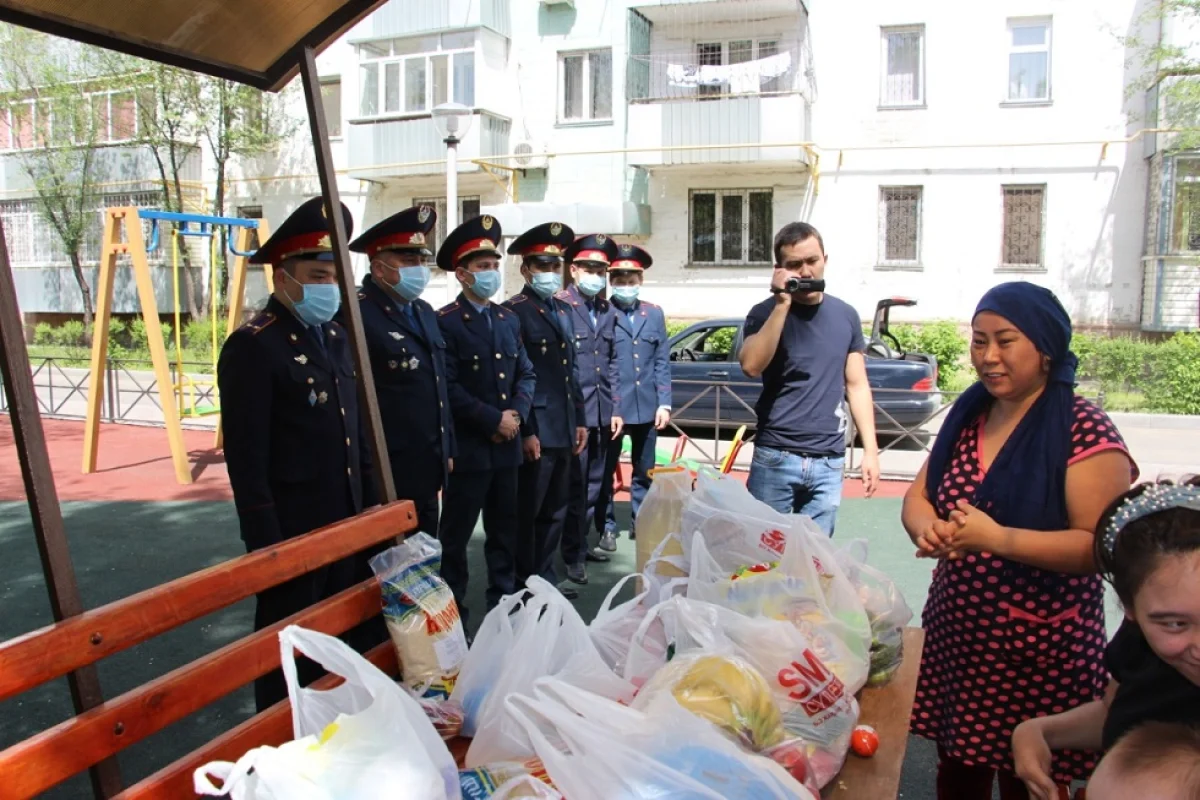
(551, 639)
(363, 739)
(886, 610)
(421, 615)
(814, 703)
(595, 749)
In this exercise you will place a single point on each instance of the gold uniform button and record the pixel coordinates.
(637, 383)
(597, 369)
(349, 471)
(563, 345)
(635, 341)
(639, 369)
(635, 355)
(497, 356)
(310, 380)
(347, 443)
(503, 397)
(441, 405)
(564, 362)
(501, 376)
(343, 412)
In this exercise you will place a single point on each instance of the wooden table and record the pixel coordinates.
(886, 709)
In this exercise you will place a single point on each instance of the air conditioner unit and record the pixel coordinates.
(529, 154)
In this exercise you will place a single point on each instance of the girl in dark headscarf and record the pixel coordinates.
(1007, 503)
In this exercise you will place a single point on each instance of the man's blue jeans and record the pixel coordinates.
(792, 484)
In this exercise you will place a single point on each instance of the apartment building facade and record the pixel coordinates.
(940, 149)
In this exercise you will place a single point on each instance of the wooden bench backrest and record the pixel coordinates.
(48, 758)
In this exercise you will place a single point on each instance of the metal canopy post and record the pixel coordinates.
(341, 257)
(44, 510)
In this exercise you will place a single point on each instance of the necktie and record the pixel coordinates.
(487, 315)
(592, 311)
(318, 336)
(408, 311)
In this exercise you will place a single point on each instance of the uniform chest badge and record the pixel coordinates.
(392, 365)
(413, 363)
(312, 397)
(397, 335)
(301, 359)
(323, 397)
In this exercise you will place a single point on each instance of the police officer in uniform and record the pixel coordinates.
(592, 325)
(408, 358)
(490, 384)
(553, 435)
(296, 454)
(642, 352)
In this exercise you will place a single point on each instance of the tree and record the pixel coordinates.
(49, 91)
(1168, 52)
(236, 121)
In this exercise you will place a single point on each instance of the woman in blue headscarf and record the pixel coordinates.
(1007, 503)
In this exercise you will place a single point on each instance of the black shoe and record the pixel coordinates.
(577, 573)
(608, 542)
(567, 591)
(632, 535)
(597, 556)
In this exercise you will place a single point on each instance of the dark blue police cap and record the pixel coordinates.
(595, 247)
(479, 235)
(304, 233)
(405, 231)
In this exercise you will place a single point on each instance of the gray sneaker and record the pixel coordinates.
(608, 542)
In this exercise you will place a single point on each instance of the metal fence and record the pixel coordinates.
(130, 392)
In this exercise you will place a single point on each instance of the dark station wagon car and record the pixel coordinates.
(705, 373)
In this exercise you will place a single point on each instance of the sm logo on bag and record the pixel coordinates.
(811, 684)
(773, 541)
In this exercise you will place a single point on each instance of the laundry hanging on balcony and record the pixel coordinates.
(742, 78)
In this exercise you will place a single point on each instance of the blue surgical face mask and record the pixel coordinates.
(412, 282)
(545, 283)
(319, 303)
(487, 283)
(591, 284)
(626, 295)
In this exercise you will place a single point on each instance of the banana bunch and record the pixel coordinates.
(731, 694)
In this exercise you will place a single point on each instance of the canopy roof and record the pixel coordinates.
(256, 42)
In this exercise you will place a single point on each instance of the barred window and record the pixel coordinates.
(33, 242)
(1024, 227)
(731, 226)
(900, 226)
(902, 82)
(468, 208)
(1185, 223)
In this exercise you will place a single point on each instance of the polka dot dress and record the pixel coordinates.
(1005, 641)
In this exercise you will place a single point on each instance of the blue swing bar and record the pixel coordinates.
(182, 221)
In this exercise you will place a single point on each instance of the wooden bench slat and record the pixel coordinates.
(50, 757)
(51, 652)
(271, 727)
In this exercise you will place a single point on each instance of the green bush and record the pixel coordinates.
(940, 338)
(1174, 385)
(674, 327)
(1119, 362)
(69, 334)
(43, 334)
(720, 341)
(197, 337)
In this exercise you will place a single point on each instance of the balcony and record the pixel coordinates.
(1171, 293)
(409, 17)
(683, 132)
(404, 146)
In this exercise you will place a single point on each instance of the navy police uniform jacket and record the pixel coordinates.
(642, 353)
(549, 339)
(595, 357)
(408, 359)
(295, 450)
(486, 374)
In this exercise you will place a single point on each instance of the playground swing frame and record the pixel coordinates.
(123, 235)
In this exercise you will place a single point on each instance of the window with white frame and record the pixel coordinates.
(760, 78)
(1028, 60)
(416, 74)
(331, 102)
(32, 240)
(900, 226)
(902, 77)
(1185, 217)
(114, 118)
(585, 86)
(468, 208)
(1024, 227)
(731, 226)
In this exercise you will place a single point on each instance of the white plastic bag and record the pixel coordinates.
(660, 516)
(594, 749)
(792, 589)
(814, 702)
(550, 639)
(480, 669)
(886, 609)
(363, 739)
(613, 628)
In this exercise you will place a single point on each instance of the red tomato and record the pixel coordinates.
(864, 741)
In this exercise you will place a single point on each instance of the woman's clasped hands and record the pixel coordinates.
(968, 530)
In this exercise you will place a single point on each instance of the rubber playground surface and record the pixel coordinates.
(131, 527)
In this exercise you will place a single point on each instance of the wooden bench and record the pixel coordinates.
(49, 758)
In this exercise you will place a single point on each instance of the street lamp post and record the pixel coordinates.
(453, 120)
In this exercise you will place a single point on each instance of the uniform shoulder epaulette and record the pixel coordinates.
(260, 322)
(447, 309)
(649, 305)
(517, 298)
(562, 294)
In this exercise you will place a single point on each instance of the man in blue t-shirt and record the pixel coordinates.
(808, 347)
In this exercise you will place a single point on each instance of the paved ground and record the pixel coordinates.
(132, 527)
